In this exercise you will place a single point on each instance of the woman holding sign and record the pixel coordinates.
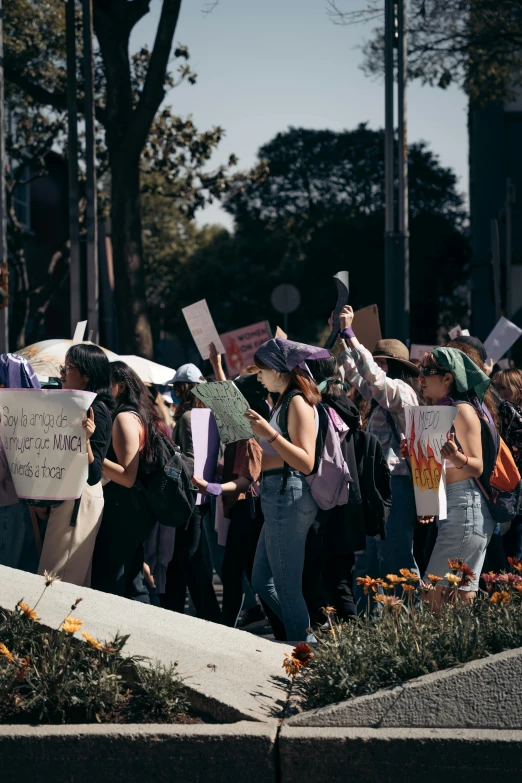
(286, 500)
(72, 526)
(389, 381)
(449, 377)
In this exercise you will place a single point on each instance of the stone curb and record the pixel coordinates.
(137, 753)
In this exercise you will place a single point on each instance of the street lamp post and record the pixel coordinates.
(72, 155)
(396, 236)
(4, 281)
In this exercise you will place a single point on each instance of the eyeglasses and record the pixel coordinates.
(64, 369)
(427, 371)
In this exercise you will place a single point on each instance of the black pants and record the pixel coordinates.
(191, 568)
(117, 565)
(246, 522)
(327, 579)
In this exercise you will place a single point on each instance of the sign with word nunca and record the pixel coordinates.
(44, 441)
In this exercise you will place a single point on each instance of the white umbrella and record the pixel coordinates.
(46, 356)
(149, 372)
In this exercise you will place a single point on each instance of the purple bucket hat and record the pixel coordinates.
(285, 355)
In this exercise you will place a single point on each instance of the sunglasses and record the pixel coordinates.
(427, 371)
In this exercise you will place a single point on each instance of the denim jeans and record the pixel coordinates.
(17, 546)
(367, 563)
(278, 567)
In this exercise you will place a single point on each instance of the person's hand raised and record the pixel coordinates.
(346, 317)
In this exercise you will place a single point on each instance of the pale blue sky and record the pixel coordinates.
(264, 65)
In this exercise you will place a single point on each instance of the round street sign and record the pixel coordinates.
(285, 298)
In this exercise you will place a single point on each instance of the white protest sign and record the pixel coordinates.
(79, 332)
(427, 430)
(229, 407)
(202, 328)
(504, 335)
(44, 441)
(457, 332)
(205, 440)
(418, 351)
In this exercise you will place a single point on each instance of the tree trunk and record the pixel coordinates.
(19, 295)
(135, 335)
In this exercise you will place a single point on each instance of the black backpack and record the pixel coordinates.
(374, 480)
(168, 490)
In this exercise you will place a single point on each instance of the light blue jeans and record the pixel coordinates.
(465, 533)
(278, 567)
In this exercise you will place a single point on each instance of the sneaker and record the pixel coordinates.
(251, 619)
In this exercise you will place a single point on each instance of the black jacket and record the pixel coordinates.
(100, 440)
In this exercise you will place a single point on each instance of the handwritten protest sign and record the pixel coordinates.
(504, 335)
(427, 430)
(458, 332)
(205, 439)
(229, 407)
(44, 441)
(341, 281)
(241, 345)
(367, 326)
(202, 328)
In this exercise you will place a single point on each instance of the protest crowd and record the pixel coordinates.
(312, 471)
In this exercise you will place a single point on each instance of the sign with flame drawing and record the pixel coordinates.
(427, 430)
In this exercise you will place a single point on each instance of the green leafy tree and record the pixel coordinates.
(321, 209)
(133, 135)
(476, 44)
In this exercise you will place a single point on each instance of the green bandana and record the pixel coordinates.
(465, 372)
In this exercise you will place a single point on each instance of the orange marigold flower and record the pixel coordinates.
(302, 652)
(26, 609)
(515, 564)
(92, 642)
(390, 601)
(434, 579)
(20, 677)
(453, 579)
(327, 610)
(71, 625)
(455, 564)
(368, 583)
(518, 588)
(291, 665)
(6, 653)
(394, 579)
(408, 588)
(407, 574)
(500, 598)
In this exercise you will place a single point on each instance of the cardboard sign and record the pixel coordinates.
(341, 280)
(502, 338)
(367, 326)
(79, 332)
(205, 440)
(418, 351)
(427, 430)
(279, 334)
(202, 327)
(241, 345)
(44, 441)
(229, 407)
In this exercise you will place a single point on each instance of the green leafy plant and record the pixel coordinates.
(405, 638)
(49, 676)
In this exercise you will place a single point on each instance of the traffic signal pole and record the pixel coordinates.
(4, 275)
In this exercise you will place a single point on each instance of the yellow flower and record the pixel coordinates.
(71, 625)
(394, 579)
(500, 598)
(368, 583)
(434, 579)
(6, 653)
(26, 609)
(407, 574)
(453, 579)
(92, 642)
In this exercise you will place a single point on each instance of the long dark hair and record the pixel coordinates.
(474, 355)
(188, 400)
(397, 371)
(136, 398)
(93, 363)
